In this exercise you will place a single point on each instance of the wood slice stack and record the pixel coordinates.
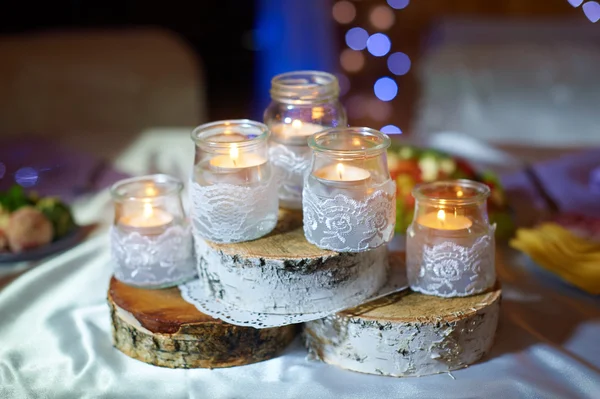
(160, 328)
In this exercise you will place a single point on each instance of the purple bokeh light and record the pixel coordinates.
(2, 169)
(391, 129)
(379, 44)
(356, 38)
(26, 177)
(399, 63)
(385, 89)
(591, 9)
(398, 4)
(575, 3)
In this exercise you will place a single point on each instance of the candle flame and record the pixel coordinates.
(441, 215)
(296, 124)
(148, 211)
(459, 193)
(151, 191)
(234, 153)
(356, 141)
(340, 170)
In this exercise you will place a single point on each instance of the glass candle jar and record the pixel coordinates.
(232, 192)
(303, 103)
(349, 200)
(151, 240)
(450, 243)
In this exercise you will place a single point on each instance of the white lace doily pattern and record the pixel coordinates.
(196, 293)
(284, 286)
(227, 213)
(343, 224)
(291, 163)
(156, 261)
(447, 269)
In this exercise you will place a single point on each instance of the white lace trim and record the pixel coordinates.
(450, 270)
(227, 213)
(167, 258)
(290, 168)
(346, 225)
(195, 293)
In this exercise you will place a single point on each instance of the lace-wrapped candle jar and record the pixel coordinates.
(450, 243)
(303, 103)
(151, 241)
(349, 200)
(233, 194)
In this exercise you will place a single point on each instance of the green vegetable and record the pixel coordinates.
(58, 214)
(14, 199)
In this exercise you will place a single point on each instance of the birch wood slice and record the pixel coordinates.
(160, 328)
(282, 273)
(407, 334)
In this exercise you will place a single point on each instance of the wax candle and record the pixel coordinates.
(295, 128)
(237, 168)
(442, 220)
(148, 218)
(341, 173)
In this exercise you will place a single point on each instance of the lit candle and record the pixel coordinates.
(235, 160)
(149, 218)
(295, 128)
(341, 173)
(443, 221)
(237, 168)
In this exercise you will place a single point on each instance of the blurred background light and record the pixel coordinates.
(398, 63)
(344, 83)
(385, 89)
(351, 60)
(382, 17)
(391, 129)
(356, 106)
(398, 4)
(26, 177)
(378, 110)
(344, 12)
(2, 170)
(379, 44)
(356, 38)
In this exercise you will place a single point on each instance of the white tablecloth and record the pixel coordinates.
(55, 333)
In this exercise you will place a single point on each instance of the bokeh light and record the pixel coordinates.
(2, 170)
(26, 177)
(378, 110)
(379, 44)
(351, 60)
(398, 4)
(356, 38)
(356, 106)
(391, 129)
(385, 89)
(344, 83)
(382, 17)
(344, 12)
(399, 63)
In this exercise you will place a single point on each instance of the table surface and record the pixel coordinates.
(55, 338)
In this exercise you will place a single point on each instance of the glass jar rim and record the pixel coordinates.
(201, 134)
(481, 190)
(385, 141)
(304, 87)
(173, 186)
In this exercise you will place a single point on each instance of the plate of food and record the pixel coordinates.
(410, 165)
(33, 227)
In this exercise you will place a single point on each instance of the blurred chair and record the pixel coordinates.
(97, 90)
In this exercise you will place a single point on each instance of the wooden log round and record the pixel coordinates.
(160, 328)
(282, 273)
(407, 334)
